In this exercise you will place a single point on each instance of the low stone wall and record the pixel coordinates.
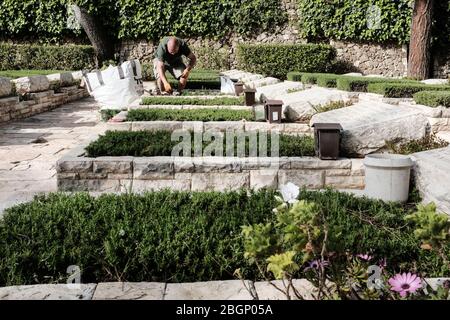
(28, 96)
(75, 172)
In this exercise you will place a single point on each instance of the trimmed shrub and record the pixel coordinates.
(225, 101)
(327, 80)
(433, 98)
(189, 115)
(46, 57)
(294, 76)
(278, 60)
(184, 236)
(358, 84)
(211, 58)
(158, 144)
(404, 90)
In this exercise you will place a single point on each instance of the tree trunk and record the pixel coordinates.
(420, 45)
(103, 46)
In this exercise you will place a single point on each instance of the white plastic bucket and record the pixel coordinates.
(388, 176)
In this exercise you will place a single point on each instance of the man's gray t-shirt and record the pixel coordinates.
(162, 54)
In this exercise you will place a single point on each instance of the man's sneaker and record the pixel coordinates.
(177, 93)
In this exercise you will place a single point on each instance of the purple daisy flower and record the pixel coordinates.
(365, 257)
(405, 283)
(317, 264)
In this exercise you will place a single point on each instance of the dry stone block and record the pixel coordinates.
(222, 126)
(99, 185)
(220, 181)
(119, 126)
(316, 163)
(345, 182)
(6, 102)
(129, 291)
(76, 165)
(183, 164)
(153, 168)
(263, 179)
(156, 125)
(31, 84)
(141, 186)
(212, 290)
(48, 292)
(311, 179)
(272, 163)
(117, 165)
(63, 79)
(6, 87)
(216, 164)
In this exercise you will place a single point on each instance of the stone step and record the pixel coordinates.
(261, 82)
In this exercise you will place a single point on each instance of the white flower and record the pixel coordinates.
(290, 192)
(121, 232)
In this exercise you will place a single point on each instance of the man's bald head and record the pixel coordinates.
(173, 46)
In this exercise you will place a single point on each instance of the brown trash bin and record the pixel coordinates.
(273, 110)
(250, 97)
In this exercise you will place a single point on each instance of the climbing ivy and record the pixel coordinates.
(361, 20)
(150, 19)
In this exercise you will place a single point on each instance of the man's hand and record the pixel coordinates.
(168, 87)
(186, 73)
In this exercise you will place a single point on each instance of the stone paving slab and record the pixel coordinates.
(213, 290)
(30, 148)
(129, 291)
(48, 292)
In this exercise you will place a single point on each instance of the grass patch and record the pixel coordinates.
(159, 143)
(429, 142)
(433, 98)
(216, 101)
(14, 74)
(184, 236)
(333, 105)
(189, 115)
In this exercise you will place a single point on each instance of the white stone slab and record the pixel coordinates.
(129, 291)
(261, 82)
(65, 79)
(435, 81)
(275, 90)
(432, 173)
(267, 291)
(48, 292)
(300, 105)
(367, 126)
(212, 290)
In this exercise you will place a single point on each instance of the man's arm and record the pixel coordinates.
(192, 62)
(162, 76)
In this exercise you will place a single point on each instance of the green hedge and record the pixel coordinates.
(361, 84)
(433, 98)
(403, 90)
(216, 101)
(183, 237)
(65, 57)
(189, 115)
(348, 20)
(278, 60)
(158, 143)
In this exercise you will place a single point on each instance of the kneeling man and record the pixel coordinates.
(168, 57)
